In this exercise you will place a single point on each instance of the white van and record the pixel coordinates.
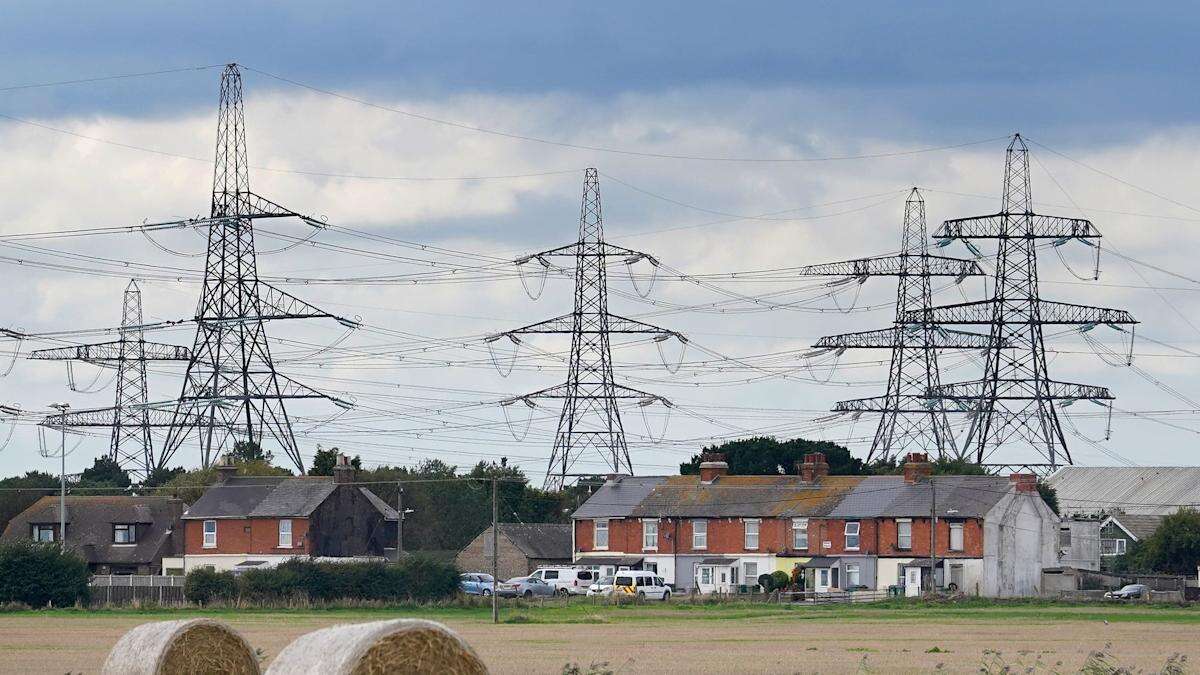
(645, 585)
(567, 580)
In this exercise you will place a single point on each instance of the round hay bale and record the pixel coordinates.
(407, 646)
(193, 646)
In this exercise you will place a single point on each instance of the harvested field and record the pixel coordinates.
(694, 640)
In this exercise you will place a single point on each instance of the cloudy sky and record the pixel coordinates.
(729, 138)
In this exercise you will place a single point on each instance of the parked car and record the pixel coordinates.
(524, 587)
(1128, 592)
(566, 580)
(645, 585)
(475, 583)
(603, 586)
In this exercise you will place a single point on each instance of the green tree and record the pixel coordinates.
(1174, 548)
(18, 493)
(325, 459)
(161, 476)
(104, 473)
(1049, 495)
(249, 451)
(765, 455)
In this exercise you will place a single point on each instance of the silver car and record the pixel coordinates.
(602, 587)
(524, 587)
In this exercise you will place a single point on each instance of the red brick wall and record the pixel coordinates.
(257, 536)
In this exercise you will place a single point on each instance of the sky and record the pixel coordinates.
(729, 137)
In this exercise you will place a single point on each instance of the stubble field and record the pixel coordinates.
(690, 639)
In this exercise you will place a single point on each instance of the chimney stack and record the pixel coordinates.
(917, 467)
(712, 465)
(343, 471)
(1023, 482)
(226, 469)
(813, 468)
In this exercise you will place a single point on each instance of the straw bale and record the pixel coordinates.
(404, 646)
(188, 647)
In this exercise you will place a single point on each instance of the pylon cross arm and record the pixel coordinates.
(889, 404)
(894, 265)
(1000, 225)
(1043, 311)
(1021, 390)
(911, 335)
(108, 417)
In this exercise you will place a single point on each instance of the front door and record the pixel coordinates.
(822, 582)
(704, 579)
(912, 582)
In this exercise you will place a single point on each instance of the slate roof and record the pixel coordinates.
(1154, 490)
(90, 521)
(1140, 525)
(617, 498)
(743, 496)
(271, 497)
(546, 541)
(892, 497)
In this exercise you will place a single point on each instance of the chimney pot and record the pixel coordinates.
(343, 471)
(917, 467)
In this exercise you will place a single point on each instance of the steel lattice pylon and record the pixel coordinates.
(590, 419)
(1016, 400)
(130, 418)
(232, 389)
(909, 421)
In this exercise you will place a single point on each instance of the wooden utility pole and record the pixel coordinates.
(495, 549)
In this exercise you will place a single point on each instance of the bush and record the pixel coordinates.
(413, 579)
(41, 574)
(203, 586)
(780, 579)
(767, 581)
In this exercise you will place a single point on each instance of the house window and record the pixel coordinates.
(210, 534)
(904, 534)
(285, 533)
(956, 536)
(750, 572)
(699, 534)
(800, 534)
(1064, 537)
(43, 533)
(851, 532)
(124, 534)
(706, 576)
(853, 575)
(751, 534)
(600, 534)
(650, 535)
(1109, 547)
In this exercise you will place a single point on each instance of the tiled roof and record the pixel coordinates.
(892, 497)
(617, 498)
(548, 541)
(743, 496)
(1154, 490)
(90, 521)
(1140, 525)
(262, 496)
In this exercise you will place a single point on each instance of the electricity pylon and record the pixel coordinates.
(1016, 400)
(232, 390)
(130, 418)
(909, 421)
(590, 418)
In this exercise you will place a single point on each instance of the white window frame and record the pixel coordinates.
(1117, 549)
(39, 529)
(650, 534)
(285, 541)
(130, 529)
(748, 578)
(853, 574)
(903, 524)
(600, 525)
(800, 534)
(857, 534)
(700, 535)
(210, 541)
(748, 533)
(957, 528)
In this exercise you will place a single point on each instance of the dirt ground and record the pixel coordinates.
(78, 644)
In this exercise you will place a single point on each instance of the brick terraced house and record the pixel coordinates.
(242, 521)
(716, 533)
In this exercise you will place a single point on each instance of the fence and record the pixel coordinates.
(121, 589)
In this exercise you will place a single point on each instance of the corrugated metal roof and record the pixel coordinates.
(1154, 490)
(892, 497)
(617, 498)
(743, 496)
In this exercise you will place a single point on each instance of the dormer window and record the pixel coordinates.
(124, 533)
(43, 533)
